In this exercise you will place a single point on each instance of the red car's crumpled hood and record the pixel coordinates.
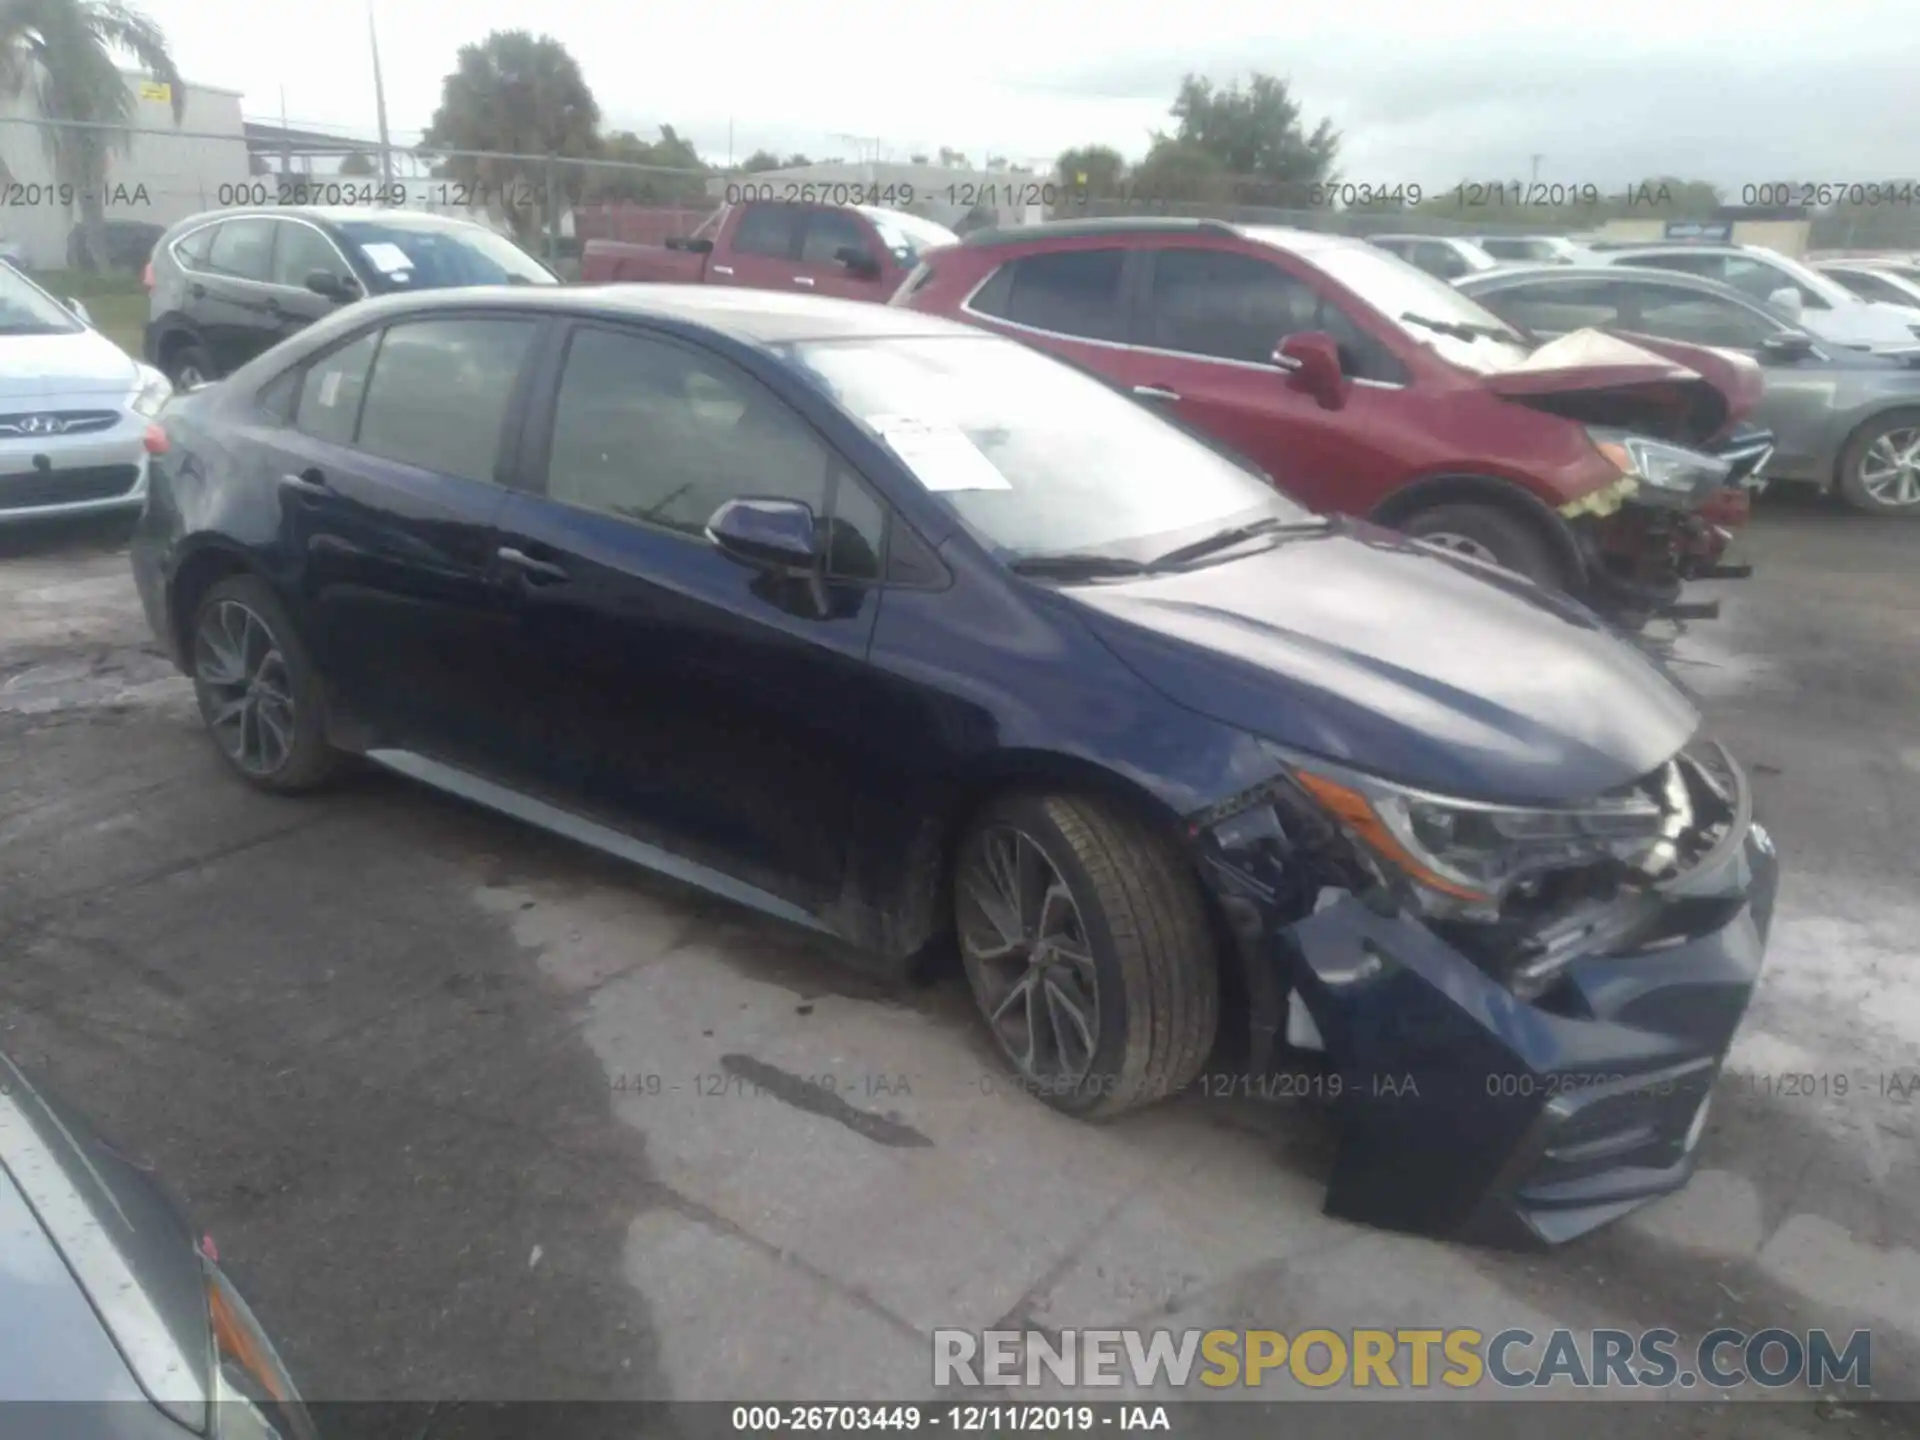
(1663, 388)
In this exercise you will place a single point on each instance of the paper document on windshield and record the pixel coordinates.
(388, 256)
(941, 457)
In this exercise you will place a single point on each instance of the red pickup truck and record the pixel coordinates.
(857, 252)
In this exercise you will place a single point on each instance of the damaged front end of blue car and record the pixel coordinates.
(1519, 1013)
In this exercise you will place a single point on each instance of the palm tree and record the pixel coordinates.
(63, 51)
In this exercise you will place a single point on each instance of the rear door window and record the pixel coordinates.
(330, 391)
(190, 251)
(1065, 292)
(440, 392)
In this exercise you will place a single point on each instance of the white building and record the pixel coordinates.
(166, 174)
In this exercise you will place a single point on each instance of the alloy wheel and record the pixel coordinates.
(1028, 956)
(1889, 471)
(187, 376)
(245, 690)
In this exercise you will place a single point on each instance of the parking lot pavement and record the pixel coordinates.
(474, 1114)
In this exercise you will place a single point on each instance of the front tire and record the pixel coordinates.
(259, 693)
(1085, 939)
(1880, 469)
(1488, 533)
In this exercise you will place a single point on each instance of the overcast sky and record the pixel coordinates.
(1738, 93)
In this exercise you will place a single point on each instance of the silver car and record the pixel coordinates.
(1446, 256)
(1842, 419)
(1889, 281)
(118, 1322)
(1796, 292)
(1534, 249)
(75, 411)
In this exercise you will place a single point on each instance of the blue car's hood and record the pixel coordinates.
(1354, 644)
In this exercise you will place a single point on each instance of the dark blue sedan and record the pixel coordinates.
(912, 635)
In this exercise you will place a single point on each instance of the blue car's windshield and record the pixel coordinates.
(1036, 457)
(437, 257)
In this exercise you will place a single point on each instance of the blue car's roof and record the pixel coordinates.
(758, 317)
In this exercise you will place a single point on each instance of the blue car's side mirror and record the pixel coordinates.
(773, 535)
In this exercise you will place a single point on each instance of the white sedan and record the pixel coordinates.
(76, 413)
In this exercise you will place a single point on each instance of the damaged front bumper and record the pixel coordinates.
(1469, 1113)
(1639, 545)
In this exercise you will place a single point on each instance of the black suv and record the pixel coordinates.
(231, 283)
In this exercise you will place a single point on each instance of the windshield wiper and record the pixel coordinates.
(1076, 565)
(1460, 329)
(1234, 534)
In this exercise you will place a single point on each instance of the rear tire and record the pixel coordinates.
(1102, 922)
(259, 693)
(1873, 478)
(1487, 532)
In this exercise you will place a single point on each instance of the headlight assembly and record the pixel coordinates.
(1460, 859)
(151, 391)
(1672, 470)
(253, 1395)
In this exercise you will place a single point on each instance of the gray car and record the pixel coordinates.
(1842, 419)
(118, 1322)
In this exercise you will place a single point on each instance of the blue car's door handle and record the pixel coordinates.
(535, 572)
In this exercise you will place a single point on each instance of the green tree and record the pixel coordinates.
(63, 52)
(954, 159)
(1088, 173)
(1257, 136)
(676, 173)
(519, 93)
(358, 162)
(1181, 173)
(761, 160)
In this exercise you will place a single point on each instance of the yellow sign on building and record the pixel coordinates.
(156, 90)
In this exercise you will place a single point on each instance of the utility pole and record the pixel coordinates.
(729, 144)
(864, 158)
(380, 106)
(286, 140)
(1536, 167)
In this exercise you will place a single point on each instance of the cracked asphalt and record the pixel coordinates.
(476, 1115)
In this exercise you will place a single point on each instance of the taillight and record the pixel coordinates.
(146, 277)
(156, 441)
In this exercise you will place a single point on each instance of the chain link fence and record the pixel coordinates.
(90, 197)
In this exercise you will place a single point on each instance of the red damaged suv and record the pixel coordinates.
(1583, 463)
